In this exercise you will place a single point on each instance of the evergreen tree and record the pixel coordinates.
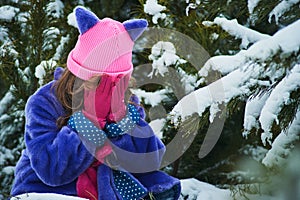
(35, 38)
(255, 53)
(260, 126)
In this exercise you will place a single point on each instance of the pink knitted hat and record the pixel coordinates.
(103, 46)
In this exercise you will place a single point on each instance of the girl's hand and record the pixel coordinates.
(118, 105)
(97, 101)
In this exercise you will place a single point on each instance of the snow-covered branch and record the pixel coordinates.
(151, 98)
(279, 97)
(245, 75)
(281, 8)
(151, 7)
(247, 35)
(8, 12)
(223, 90)
(282, 144)
(252, 112)
(251, 5)
(285, 40)
(6, 101)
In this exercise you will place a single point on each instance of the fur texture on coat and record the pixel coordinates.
(54, 158)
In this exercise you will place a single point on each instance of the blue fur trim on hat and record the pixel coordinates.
(85, 19)
(135, 27)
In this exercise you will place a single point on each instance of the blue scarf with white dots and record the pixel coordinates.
(125, 185)
(131, 134)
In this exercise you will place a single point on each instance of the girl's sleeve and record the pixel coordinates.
(57, 156)
(139, 150)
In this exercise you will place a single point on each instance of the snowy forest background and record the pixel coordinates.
(253, 49)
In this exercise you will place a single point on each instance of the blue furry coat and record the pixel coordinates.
(54, 158)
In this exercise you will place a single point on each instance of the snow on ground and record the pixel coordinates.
(45, 196)
(192, 189)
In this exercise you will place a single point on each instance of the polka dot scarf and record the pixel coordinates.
(93, 134)
(127, 186)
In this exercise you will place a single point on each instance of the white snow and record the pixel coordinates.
(235, 29)
(279, 97)
(281, 8)
(213, 110)
(52, 32)
(3, 33)
(5, 155)
(6, 100)
(191, 6)
(283, 143)
(55, 8)
(157, 125)
(163, 55)
(253, 16)
(189, 81)
(45, 196)
(60, 48)
(194, 189)
(255, 152)
(195, 102)
(251, 5)
(239, 81)
(8, 170)
(223, 64)
(72, 20)
(151, 98)
(151, 7)
(286, 39)
(227, 63)
(214, 36)
(8, 12)
(222, 90)
(252, 112)
(40, 70)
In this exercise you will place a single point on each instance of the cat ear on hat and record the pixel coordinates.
(135, 27)
(85, 19)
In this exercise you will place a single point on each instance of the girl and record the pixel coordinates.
(81, 138)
